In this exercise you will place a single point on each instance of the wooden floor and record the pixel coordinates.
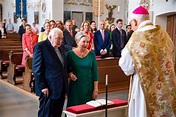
(15, 102)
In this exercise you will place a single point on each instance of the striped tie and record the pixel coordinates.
(71, 33)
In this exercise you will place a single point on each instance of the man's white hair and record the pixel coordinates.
(139, 17)
(55, 31)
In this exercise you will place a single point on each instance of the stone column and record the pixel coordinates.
(57, 10)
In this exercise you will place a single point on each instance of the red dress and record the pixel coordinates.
(90, 41)
(28, 42)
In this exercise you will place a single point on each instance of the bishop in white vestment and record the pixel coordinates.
(148, 57)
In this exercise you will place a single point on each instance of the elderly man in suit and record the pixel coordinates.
(102, 42)
(69, 36)
(119, 39)
(49, 68)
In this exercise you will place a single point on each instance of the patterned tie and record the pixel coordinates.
(71, 33)
(102, 34)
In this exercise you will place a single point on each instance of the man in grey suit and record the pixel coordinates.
(49, 68)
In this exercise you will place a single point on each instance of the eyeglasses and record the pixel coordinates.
(58, 38)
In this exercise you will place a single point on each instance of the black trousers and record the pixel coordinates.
(51, 107)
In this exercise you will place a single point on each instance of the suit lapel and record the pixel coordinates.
(118, 35)
(52, 50)
(99, 34)
(118, 31)
(106, 35)
(123, 36)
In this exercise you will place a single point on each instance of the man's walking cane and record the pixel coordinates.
(43, 108)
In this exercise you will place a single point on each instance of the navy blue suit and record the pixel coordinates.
(49, 73)
(69, 41)
(99, 43)
(116, 41)
(21, 31)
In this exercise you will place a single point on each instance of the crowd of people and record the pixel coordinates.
(67, 51)
(104, 42)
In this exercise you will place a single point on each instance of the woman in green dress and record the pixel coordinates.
(83, 74)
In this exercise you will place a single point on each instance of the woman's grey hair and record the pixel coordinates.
(79, 35)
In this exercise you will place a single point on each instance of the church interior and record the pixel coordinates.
(17, 87)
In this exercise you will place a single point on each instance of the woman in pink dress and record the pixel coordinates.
(85, 27)
(28, 41)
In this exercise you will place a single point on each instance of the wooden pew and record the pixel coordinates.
(4, 53)
(4, 59)
(6, 46)
(14, 36)
(10, 39)
(9, 43)
(3, 67)
(10, 47)
(117, 80)
(15, 68)
(28, 78)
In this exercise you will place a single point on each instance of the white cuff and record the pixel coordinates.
(26, 49)
(105, 50)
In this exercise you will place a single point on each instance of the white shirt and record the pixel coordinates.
(9, 26)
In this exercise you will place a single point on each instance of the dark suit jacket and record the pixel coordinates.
(48, 69)
(129, 34)
(21, 31)
(42, 29)
(116, 41)
(100, 44)
(74, 27)
(68, 40)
